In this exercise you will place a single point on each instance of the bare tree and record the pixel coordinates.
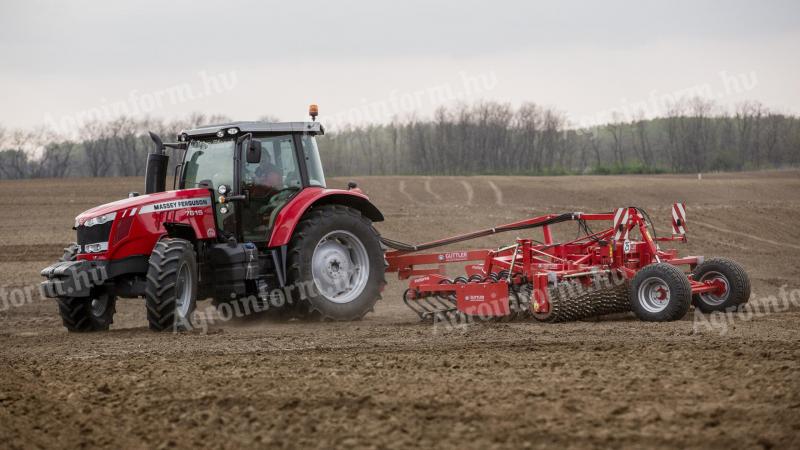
(772, 131)
(525, 151)
(676, 142)
(748, 121)
(99, 158)
(640, 139)
(16, 160)
(55, 160)
(698, 133)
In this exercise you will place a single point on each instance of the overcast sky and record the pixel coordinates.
(370, 60)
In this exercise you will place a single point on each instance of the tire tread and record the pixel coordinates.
(161, 276)
(303, 308)
(680, 290)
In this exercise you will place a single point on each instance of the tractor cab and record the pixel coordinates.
(254, 167)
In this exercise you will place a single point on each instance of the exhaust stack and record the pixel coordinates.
(155, 176)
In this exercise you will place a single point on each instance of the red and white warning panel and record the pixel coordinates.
(621, 223)
(678, 219)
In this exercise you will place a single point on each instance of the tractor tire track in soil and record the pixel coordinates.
(747, 236)
(498, 194)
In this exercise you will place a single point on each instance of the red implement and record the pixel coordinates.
(602, 266)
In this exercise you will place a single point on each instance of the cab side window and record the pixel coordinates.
(270, 183)
(278, 167)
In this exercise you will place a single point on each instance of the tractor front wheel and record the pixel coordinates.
(171, 291)
(660, 293)
(336, 265)
(731, 276)
(84, 314)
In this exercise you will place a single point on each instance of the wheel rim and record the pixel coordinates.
(654, 295)
(710, 297)
(340, 266)
(183, 291)
(99, 305)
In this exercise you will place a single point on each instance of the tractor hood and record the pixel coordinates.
(160, 201)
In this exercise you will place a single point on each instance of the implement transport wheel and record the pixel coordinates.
(660, 293)
(171, 292)
(84, 314)
(729, 274)
(336, 265)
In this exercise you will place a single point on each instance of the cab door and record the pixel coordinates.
(268, 184)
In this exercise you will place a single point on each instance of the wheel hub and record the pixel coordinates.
(340, 266)
(719, 295)
(99, 305)
(183, 291)
(654, 295)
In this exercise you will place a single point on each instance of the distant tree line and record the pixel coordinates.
(117, 147)
(493, 138)
(484, 138)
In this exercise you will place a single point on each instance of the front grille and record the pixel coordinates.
(94, 234)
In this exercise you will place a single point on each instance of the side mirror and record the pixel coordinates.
(254, 152)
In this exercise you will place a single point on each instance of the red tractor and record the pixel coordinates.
(251, 223)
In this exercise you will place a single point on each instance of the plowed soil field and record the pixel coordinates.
(723, 381)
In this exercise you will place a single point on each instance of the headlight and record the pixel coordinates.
(222, 189)
(99, 220)
(95, 248)
(233, 130)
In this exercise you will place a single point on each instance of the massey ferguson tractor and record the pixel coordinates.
(251, 224)
(251, 216)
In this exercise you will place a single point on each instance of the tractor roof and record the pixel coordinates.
(258, 127)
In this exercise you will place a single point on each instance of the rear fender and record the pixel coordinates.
(290, 215)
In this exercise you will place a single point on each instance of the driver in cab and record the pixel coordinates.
(266, 183)
(267, 180)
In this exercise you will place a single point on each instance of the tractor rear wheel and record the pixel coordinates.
(171, 291)
(660, 292)
(336, 265)
(84, 314)
(731, 275)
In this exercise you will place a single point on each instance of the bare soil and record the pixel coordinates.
(390, 381)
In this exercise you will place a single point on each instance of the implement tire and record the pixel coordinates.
(730, 273)
(660, 293)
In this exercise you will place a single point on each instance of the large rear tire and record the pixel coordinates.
(336, 265)
(660, 293)
(171, 292)
(85, 314)
(732, 275)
